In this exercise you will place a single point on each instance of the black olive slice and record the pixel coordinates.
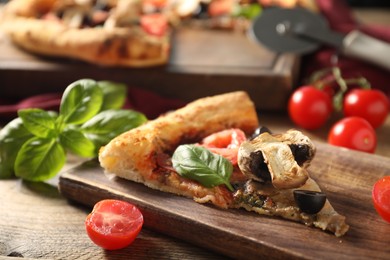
(301, 153)
(101, 5)
(259, 167)
(259, 131)
(310, 202)
(202, 11)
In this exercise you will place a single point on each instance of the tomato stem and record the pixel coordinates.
(339, 79)
(324, 77)
(318, 76)
(362, 82)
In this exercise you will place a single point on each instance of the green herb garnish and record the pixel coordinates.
(248, 11)
(34, 145)
(199, 164)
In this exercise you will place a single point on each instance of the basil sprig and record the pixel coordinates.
(199, 164)
(34, 145)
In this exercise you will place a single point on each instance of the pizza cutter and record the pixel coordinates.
(301, 31)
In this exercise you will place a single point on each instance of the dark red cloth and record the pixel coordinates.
(340, 18)
(149, 103)
(138, 99)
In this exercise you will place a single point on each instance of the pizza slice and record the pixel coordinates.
(234, 15)
(104, 32)
(211, 151)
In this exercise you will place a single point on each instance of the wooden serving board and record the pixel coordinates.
(202, 63)
(345, 176)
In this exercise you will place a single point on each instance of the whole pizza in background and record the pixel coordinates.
(99, 32)
(130, 33)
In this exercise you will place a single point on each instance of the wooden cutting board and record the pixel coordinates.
(202, 63)
(345, 176)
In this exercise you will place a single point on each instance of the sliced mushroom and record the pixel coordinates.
(183, 8)
(127, 12)
(281, 158)
(73, 12)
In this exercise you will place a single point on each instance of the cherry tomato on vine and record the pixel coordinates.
(114, 224)
(309, 107)
(381, 197)
(371, 104)
(353, 133)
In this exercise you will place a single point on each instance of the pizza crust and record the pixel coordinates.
(28, 8)
(119, 46)
(134, 151)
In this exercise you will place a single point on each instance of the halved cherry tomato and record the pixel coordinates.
(114, 224)
(309, 107)
(381, 197)
(353, 133)
(371, 104)
(225, 143)
(154, 24)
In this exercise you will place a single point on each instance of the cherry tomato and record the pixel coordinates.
(381, 197)
(353, 133)
(114, 224)
(154, 24)
(309, 107)
(371, 104)
(225, 143)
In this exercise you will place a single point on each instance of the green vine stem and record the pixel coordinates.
(362, 82)
(327, 76)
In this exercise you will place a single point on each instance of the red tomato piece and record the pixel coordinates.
(99, 17)
(154, 24)
(51, 16)
(353, 133)
(309, 107)
(225, 143)
(381, 197)
(114, 224)
(371, 104)
(155, 3)
(220, 7)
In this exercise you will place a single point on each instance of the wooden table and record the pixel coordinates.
(37, 222)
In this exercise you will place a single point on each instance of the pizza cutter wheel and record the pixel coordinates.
(301, 31)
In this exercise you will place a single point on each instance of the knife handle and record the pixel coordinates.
(362, 46)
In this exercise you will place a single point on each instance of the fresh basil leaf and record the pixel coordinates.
(39, 122)
(249, 11)
(198, 163)
(12, 137)
(76, 142)
(114, 94)
(39, 159)
(110, 123)
(81, 101)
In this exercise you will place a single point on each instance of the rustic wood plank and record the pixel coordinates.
(36, 222)
(346, 176)
(202, 63)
